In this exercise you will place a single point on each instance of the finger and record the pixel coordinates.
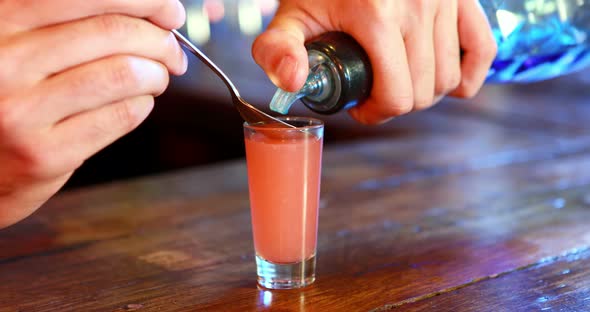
(25, 63)
(81, 136)
(91, 85)
(420, 51)
(280, 50)
(478, 45)
(447, 51)
(392, 92)
(24, 15)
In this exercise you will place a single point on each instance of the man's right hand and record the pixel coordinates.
(75, 75)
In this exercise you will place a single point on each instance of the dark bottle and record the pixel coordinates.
(536, 40)
(340, 76)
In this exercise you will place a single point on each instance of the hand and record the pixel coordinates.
(413, 45)
(75, 75)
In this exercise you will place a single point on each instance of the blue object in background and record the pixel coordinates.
(538, 39)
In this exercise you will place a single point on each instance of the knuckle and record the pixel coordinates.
(372, 5)
(423, 7)
(9, 118)
(115, 25)
(96, 131)
(9, 9)
(123, 115)
(421, 11)
(161, 6)
(117, 120)
(123, 73)
(376, 8)
(80, 85)
(11, 59)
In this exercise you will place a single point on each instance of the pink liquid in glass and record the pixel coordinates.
(284, 183)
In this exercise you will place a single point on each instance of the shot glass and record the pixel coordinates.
(284, 170)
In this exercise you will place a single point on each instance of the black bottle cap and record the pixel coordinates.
(353, 67)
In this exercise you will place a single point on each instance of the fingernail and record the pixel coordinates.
(184, 63)
(182, 10)
(438, 98)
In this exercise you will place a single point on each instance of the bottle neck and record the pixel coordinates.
(340, 76)
(321, 90)
(323, 86)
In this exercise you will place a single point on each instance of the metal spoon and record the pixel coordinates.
(248, 112)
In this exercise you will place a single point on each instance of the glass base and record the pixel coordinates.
(285, 275)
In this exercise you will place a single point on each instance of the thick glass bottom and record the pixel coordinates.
(285, 275)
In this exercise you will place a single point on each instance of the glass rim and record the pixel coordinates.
(314, 123)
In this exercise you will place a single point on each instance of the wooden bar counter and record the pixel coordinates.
(480, 205)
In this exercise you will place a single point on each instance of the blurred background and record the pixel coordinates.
(195, 124)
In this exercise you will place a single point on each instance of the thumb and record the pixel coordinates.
(281, 53)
